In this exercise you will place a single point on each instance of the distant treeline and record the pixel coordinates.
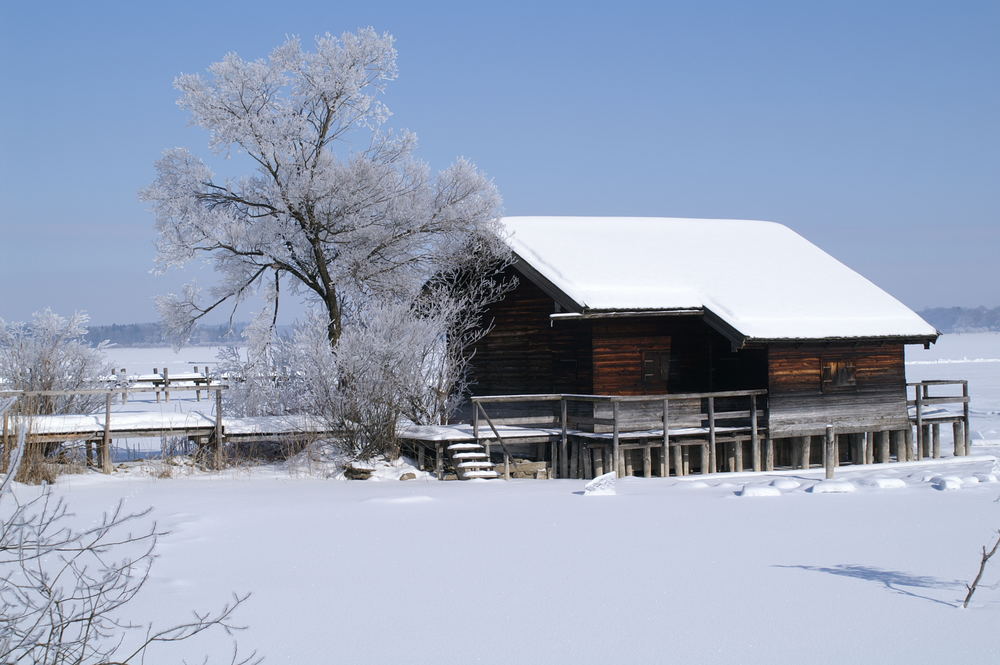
(152, 334)
(945, 319)
(963, 319)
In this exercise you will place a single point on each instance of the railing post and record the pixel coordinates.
(829, 450)
(665, 457)
(166, 384)
(106, 441)
(218, 429)
(563, 447)
(920, 421)
(712, 463)
(754, 434)
(967, 442)
(615, 450)
(5, 455)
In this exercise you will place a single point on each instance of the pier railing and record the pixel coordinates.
(928, 421)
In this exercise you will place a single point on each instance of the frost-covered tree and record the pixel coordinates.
(337, 207)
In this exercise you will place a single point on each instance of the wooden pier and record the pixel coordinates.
(211, 430)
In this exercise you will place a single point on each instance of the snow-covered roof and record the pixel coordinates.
(761, 279)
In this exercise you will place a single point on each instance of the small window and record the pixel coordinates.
(655, 369)
(839, 375)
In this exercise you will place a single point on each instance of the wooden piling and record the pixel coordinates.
(439, 460)
(936, 440)
(156, 370)
(166, 384)
(805, 448)
(588, 464)
(754, 434)
(958, 432)
(197, 393)
(883, 446)
(768, 454)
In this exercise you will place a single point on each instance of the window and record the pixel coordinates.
(655, 369)
(839, 375)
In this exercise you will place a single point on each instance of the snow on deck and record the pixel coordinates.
(761, 278)
(149, 421)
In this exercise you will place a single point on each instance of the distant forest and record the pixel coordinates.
(963, 319)
(945, 319)
(151, 334)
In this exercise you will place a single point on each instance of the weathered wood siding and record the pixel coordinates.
(524, 354)
(798, 405)
(618, 347)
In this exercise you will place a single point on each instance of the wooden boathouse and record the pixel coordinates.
(662, 346)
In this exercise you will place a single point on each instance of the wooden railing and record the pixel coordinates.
(693, 410)
(928, 426)
(104, 442)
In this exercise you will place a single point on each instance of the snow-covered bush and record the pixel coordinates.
(51, 353)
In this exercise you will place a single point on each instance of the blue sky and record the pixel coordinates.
(872, 128)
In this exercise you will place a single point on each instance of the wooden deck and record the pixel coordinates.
(582, 436)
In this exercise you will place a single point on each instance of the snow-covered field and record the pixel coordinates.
(722, 569)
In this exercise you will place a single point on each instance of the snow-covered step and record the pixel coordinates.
(482, 464)
(466, 446)
(480, 474)
(469, 455)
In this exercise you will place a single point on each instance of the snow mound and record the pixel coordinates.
(601, 485)
(946, 483)
(886, 483)
(970, 480)
(785, 484)
(324, 459)
(697, 484)
(986, 477)
(759, 490)
(832, 487)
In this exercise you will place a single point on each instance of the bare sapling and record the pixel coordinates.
(987, 555)
(65, 590)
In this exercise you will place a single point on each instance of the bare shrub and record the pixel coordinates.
(64, 591)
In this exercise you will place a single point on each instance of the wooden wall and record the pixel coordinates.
(798, 405)
(618, 346)
(525, 354)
